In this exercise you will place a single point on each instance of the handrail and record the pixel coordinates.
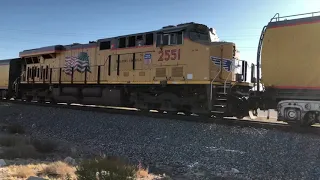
(277, 15)
(225, 82)
(258, 56)
(15, 82)
(211, 83)
(231, 71)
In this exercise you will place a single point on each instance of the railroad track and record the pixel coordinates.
(189, 118)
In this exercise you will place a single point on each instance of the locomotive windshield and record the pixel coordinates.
(197, 36)
(199, 33)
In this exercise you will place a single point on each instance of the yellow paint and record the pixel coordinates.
(195, 61)
(158, 82)
(4, 76)
(290, 56)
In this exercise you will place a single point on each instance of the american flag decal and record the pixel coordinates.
(226, 63)
(80, 63)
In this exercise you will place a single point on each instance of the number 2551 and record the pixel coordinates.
(173, 54)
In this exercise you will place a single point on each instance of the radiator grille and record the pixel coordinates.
(142, 73)
(126, 74)
(161, 72)
(177, 71)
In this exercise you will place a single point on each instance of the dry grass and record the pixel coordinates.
(142, 173)
(55, 170)
(58, 169)
(106, 168)
(61, 170)
(23, 171)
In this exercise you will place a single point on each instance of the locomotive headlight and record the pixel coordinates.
(308, 106)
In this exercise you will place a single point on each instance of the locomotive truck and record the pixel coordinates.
(178, 68)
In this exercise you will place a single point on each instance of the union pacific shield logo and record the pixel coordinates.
(79, 63)
(226, 63)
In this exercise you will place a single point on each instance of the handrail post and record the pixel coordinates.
(211, 83)
(258, 57)
(277, 15)
(225, 82)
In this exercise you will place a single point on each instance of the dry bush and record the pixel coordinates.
(58, 169)
(20, 151)
(16, 129)
(23, 171)
(105, 168)
(142, 173)
(11, 140)
(44, 146)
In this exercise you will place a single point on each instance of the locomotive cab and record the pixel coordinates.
(224, 63)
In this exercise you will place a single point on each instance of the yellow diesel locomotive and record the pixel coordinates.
(182, 68)
(179, 68)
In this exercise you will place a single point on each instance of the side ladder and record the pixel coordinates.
(220, 99)
(259, 56)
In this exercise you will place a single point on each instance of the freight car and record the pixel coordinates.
(9, 72)
(178, 68)
(289, 62)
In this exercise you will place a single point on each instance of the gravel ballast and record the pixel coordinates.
(183, 150)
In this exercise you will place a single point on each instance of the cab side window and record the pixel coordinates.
(122, 42)
(149, 39)
(167, 39)
(139, 40)
(131, 41)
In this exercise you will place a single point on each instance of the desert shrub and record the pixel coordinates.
(16, 129)
(23, 172)
(58, 170)
(105, 168)
(44, 146)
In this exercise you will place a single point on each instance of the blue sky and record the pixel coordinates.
(36, 23)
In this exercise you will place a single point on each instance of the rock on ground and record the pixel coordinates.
(183, 150)
(2, 163)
